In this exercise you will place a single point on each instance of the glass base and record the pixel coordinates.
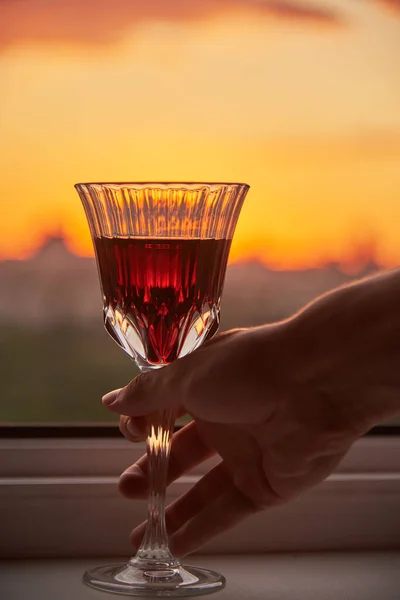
(130, 580)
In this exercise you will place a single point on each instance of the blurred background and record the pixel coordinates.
(298, 98)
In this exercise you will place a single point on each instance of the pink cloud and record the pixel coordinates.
(394, 4)
(105, 21)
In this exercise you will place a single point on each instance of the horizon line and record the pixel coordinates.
(352, 265)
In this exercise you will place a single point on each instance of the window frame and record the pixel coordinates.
(60, 498)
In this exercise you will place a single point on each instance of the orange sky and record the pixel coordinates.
(300, 99)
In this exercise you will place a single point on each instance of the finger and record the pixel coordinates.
(217, 516)
(214, 483)
(246, 492)
(164, 388)
(147, 393)
(136, 429)
(212, 339)
(187, 451)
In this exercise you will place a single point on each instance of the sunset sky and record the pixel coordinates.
(300, 99)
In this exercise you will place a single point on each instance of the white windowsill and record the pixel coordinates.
(59, 498)
(324, 576)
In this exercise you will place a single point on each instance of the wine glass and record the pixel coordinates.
(162, 251)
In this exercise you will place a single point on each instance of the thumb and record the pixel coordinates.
(165, 387)
(147, 393)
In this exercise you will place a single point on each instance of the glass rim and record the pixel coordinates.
(163, 183)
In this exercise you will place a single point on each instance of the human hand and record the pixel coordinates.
(275, 437)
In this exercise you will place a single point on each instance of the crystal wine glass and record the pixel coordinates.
(162, 251)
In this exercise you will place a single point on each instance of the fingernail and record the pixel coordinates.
(110, 397)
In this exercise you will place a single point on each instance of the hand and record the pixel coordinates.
(276, 437)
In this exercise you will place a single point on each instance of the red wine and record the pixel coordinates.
(161, 295)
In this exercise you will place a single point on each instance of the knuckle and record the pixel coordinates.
(252, 482)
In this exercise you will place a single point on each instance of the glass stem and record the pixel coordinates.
(154, 547)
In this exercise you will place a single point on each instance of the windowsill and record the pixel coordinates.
(324, 576)
(59, 498)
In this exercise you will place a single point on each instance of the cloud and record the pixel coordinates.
(394, 4)
(295, 10)
(105, 21)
